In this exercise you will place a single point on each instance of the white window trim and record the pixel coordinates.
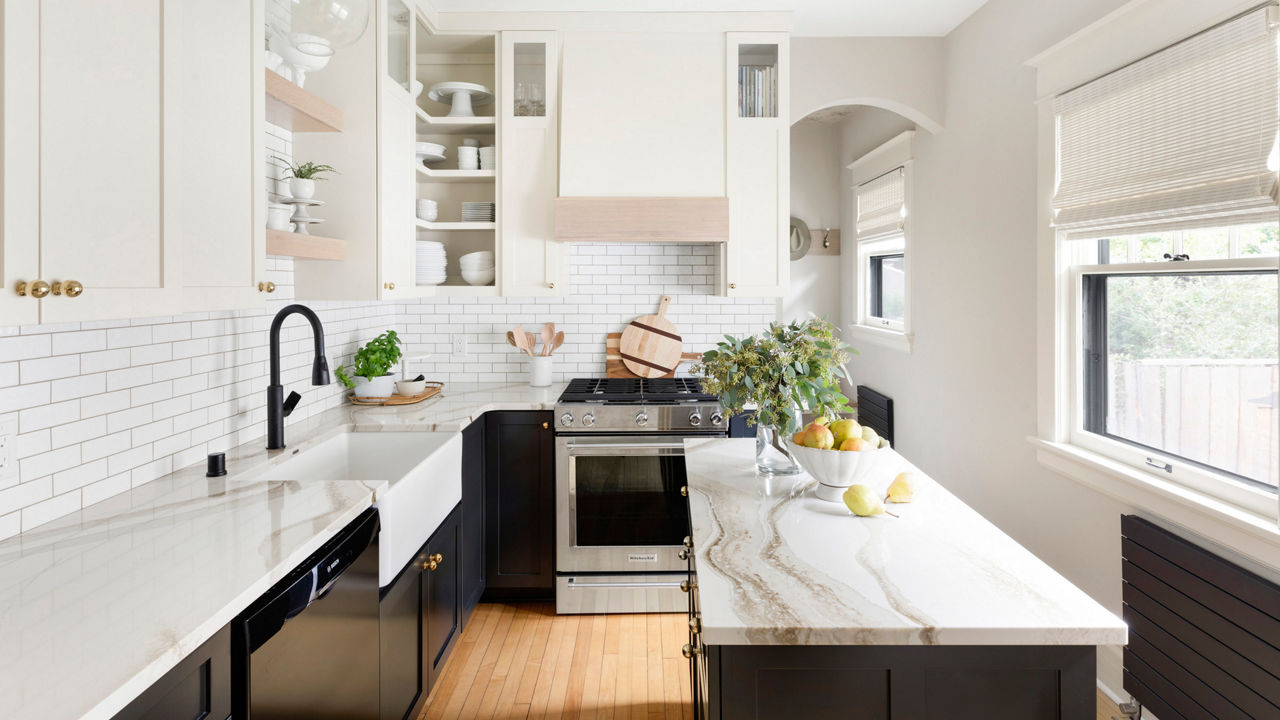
(896, 153)
(1105, 45)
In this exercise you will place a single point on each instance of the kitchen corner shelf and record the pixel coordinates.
(295, 109)
(424, 225)
(457, 176)
(314, 247)
(429, 125)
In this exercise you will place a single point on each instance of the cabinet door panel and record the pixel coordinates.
(400, 641)
(472, 515)
(519, 503)
(758, 253)
(222, 156)
(396, 188)
(197, 688)
(442, 610)
(109, 193)
(20, 160)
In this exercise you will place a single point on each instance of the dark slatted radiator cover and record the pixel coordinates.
(875, 410)
(1204, 634)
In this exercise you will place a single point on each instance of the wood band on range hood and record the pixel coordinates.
(642, 219)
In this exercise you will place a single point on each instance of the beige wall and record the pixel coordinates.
(905, 75)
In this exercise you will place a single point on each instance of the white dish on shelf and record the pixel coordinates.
(306, 220)
(478, 277)
(425, 158)
(421, 148)
(306, 202)
(461, 97)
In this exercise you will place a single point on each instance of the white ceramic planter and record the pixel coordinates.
(540, 371)
(376, 388)
(302, 189)
(278, 217)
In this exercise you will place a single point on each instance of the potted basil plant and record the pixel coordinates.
(784, 371)
(302, 179)
(370, 375)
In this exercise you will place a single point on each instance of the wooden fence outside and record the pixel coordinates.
(1219, 412)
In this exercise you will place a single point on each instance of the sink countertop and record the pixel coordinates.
(778, 566)
(98, 605)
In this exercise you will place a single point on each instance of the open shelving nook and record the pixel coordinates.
(437, 58)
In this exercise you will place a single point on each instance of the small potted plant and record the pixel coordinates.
(371, 367)
(302, 179)
(785, 371)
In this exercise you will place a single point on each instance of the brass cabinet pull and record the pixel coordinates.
(551, 286)
(688, 541)
(546, 426)
(689, 651)
(695, 626)
(266, 286)
(685, 586)
(733, 286)
(389, 286)
(70, 288)
(36, 289)
(433, 562)
(683, 554)
(684, 491)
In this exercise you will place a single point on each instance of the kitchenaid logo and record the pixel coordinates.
(642, 557)
(336, 562)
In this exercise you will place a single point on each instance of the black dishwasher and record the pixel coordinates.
(308, 648)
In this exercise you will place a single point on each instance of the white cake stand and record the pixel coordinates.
(461, 96)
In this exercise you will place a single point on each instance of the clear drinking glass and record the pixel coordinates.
(522, 100)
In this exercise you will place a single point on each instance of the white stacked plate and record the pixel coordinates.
(468, 157)
(477, 212)
(428, 152)
(431, 262)
(488, 156)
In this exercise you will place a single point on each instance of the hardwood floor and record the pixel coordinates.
(523, 661)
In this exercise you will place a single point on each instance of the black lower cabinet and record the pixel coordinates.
(519, 499)
(472, 516)
(198, 688)
(401, 679)
(441, 595)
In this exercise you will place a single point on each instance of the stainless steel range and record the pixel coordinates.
(621, 511)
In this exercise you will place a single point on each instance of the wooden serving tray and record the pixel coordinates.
(432, 389)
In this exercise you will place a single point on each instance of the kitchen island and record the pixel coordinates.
(800, 609)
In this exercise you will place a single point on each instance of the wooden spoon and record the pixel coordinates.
(511, 339)
(530, 342)
(522, 340)
(548, 336)
(556, 342)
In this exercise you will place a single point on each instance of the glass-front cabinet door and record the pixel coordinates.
(530, 164)
(399, 45)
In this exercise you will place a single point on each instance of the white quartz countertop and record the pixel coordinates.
(778, 566)
(96, 606)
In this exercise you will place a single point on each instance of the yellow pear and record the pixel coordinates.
(902, 489)
(853, 443)
(862, 501)
(870, 436)
(843, 430)
(818, 436)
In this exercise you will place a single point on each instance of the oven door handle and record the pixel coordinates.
(571, 446)
(576, 583)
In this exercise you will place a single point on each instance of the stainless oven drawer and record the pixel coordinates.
(658, 593)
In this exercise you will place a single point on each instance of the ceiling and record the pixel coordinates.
(813, 18)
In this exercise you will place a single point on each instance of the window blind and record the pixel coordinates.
(1183, 134)
(882, 205)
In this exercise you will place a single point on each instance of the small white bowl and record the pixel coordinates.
(478, 277)
(836, 470)
(478, 260)
(429, 148)
(416, 88)
(410, 387)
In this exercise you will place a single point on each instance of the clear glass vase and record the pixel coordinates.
(772, 455)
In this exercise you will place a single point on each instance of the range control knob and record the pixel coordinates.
(589, 419)
(717, 419)
(566, 419)
(642, 418)
(695, 418)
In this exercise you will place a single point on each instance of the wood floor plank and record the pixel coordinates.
(522, 661)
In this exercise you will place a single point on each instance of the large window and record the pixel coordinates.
(1165, 214)
(882, 196)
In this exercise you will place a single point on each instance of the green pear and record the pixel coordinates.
(902, 489)
(862, 501)
(843, 430)
(870, 436)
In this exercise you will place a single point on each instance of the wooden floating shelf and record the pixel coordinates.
(295, 109)
(314, 247)
(424, 225)
(429, 125)
(458, 176)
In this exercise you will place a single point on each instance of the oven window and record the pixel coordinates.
(630, 500)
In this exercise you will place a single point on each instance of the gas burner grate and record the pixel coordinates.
(634, 390)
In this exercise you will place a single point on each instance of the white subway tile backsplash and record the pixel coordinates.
(21, 347)
(43, 416)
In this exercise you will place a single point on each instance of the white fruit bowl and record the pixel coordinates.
(836, 470)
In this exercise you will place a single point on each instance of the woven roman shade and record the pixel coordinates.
(1182, 137)
(882, 205)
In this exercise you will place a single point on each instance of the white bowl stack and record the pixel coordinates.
(488, 156)
(468, 157)
(477, 267)
(477, 212)
(431, 262)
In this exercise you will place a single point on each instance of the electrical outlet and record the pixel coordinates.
(8, 466)
(459, 345)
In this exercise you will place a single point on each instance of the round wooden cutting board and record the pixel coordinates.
(650, 346)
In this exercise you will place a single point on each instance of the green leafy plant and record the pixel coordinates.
(784, 370)
(309, 171)
(374, 360)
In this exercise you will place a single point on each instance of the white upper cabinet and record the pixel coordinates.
(643, 114)
(757, 164)
(530, 257)
(131, 136)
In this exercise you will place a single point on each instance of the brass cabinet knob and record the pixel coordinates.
(37, 289)
(685, 586)
(389, 286)
(684, 491)
(546, 426)
(683, 554)
(688, 541)
(695, 625)
(70, 288)
(733, 286)
(551, 286)
(266, 286)
(433, 562)
(689, 651)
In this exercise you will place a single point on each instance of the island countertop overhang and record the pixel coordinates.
(778, 566)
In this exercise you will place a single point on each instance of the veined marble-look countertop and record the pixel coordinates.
(98, 605)
(778, 566)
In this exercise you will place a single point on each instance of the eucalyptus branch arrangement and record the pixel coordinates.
(784, 370)
(309, 171)
(374, 360)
